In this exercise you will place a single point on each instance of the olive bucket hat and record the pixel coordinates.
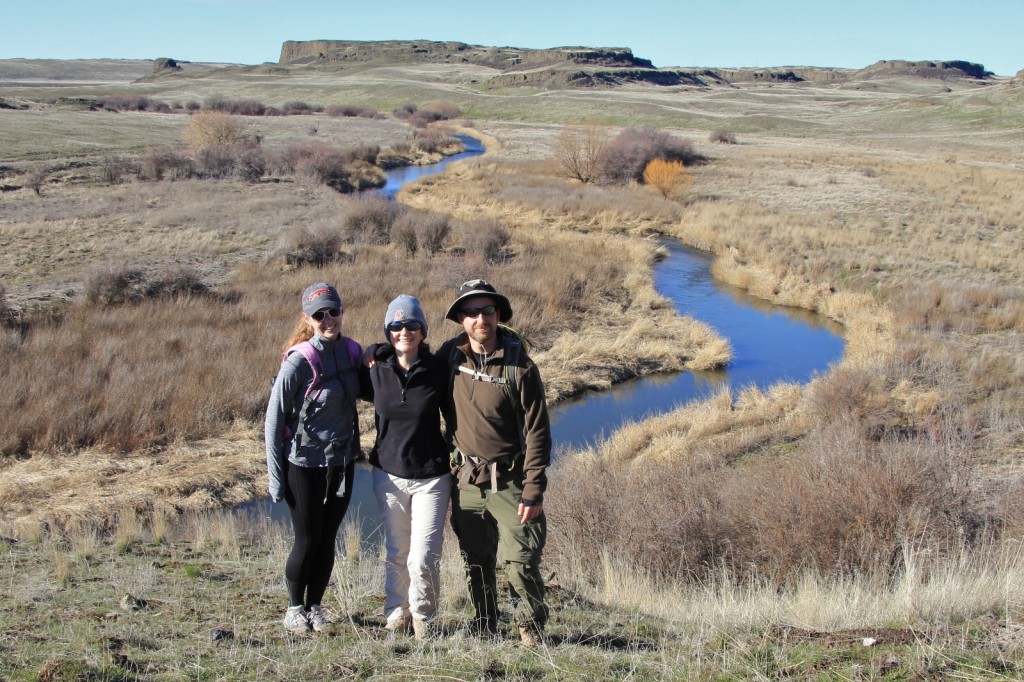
(479, 287)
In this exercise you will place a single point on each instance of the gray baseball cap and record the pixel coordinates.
(318, 296)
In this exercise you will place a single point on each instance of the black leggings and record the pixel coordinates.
(317, 512)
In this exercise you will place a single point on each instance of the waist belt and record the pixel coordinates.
(492, 466)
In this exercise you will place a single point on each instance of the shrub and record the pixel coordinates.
(487, 238)
(626, 156)
(403, 233)
(344, 170)
(208, 129)
(36, 179)
(405, 111)
(722, 137)
(369, 219)
(438, 111)
(579, 150)
(432, 230)
(157, 163)
(8, 315)
(419, 231)
(316, 247)
(216, 161)
(300, 108)
(114, 168)
(668, 177)
(434, 141)
(242, 107)
(124, 284)
(352, 111)
(115, 285)
(250, 163)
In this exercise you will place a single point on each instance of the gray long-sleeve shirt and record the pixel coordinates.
(327, 437)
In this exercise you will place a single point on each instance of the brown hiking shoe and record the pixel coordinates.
(422, 630)
(531, 634)
(402, 625)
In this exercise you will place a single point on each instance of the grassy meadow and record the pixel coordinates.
(864, 526)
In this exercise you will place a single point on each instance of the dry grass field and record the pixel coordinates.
(881, 498)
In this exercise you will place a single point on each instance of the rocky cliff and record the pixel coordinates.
(592, 67)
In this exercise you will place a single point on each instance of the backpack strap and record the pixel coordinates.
(507, 380)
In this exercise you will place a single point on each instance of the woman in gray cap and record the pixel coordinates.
(411, 477)
(312, 440)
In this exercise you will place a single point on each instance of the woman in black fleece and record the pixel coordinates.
(411, 476)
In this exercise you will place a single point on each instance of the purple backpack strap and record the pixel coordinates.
(355, 353)
(306, 349)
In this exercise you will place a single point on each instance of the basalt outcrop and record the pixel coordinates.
(574, 67)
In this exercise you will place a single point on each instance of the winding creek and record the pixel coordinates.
(770, 344)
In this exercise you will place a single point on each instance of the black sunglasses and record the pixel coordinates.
(473, 312)
(326, 312)
(399, 326)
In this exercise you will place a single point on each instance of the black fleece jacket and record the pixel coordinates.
(408, 407)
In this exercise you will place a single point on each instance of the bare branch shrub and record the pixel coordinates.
(116, 285)
(403, 233)
(579, 150)
(212, 129)
(432, 230)
(114, 168)
(486, 238)
(344, 170)
(216, 161)
(370, 219)
(250, 163)
(840, 505)
(123, 284)
(719, 136)
(437, 111)
(435, 141)
(352, 111)
(157, 163)
(299, 108)
(405, 111)
(36, 179)
(628, 154)
(420, 231)
(8, 315)
(312, 246)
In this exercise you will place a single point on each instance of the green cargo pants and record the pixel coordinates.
(487, 525)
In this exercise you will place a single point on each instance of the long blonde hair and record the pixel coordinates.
(303, 332)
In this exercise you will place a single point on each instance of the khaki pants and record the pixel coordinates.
(487, 525)
(413, 511)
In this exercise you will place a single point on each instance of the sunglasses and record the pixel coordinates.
(473, 312)
(399, 326)
(326, 312)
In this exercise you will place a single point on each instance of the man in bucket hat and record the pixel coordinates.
(502, 447)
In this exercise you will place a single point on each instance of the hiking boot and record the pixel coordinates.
(296, 620)
(478, 627)
(423, 630)
(318, 620)
(402, 625)
(531, 634)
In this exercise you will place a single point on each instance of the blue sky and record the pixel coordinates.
(726, 33)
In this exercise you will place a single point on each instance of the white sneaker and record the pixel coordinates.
(318, 620)
(296, 620)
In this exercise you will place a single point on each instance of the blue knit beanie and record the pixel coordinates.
(404, 308)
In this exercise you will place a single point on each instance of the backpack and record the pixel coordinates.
(514, 343)
(312, 355)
